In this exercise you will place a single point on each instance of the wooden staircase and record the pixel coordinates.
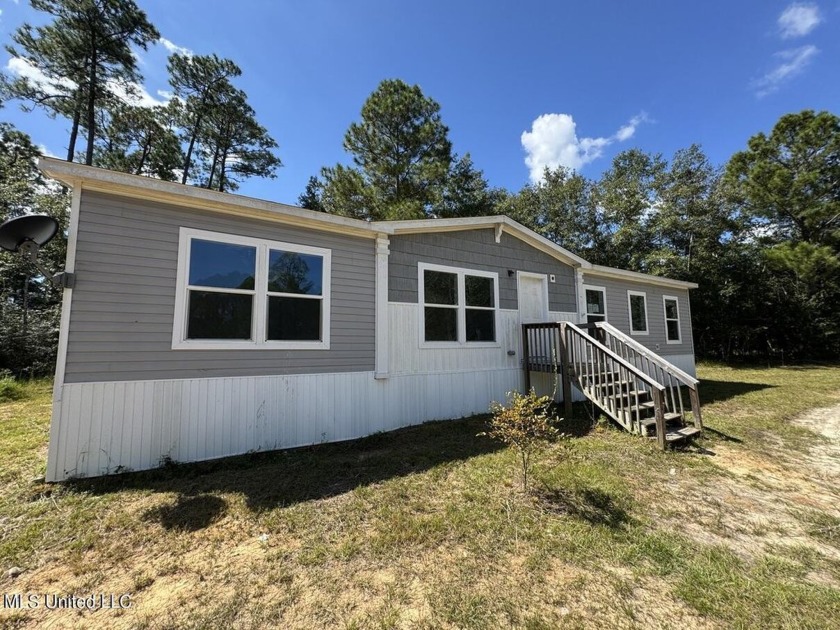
(635, 387)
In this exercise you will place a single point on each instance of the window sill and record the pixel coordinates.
(453, 345)
(674, 343)
(636, 333)
(250, 345)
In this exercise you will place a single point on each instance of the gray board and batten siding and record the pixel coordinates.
(477, 249)
(123, 305)
(618, 312)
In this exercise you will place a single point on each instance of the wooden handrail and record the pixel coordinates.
(602, 369)
(593, 376)
(668, 369)
(688, 379)
(625, 364)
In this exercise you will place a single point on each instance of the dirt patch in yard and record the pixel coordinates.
(766, 501)
(824, 454)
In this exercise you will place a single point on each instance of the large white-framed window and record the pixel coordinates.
(458, 307)
(637, 305)
(673, 333)
(242, 292)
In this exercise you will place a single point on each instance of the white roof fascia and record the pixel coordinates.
(424, 226)
(634, 276)
(148, 188)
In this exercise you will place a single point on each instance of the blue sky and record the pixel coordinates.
(521, 84)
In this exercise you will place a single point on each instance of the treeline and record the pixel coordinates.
(760, 234)
(83, 67)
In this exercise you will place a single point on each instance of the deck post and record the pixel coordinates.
(695, 407)
(659, 410)
(526, 359)
(566, 373)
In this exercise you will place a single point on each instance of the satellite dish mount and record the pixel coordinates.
(27, 234)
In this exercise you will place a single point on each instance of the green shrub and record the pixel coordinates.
(10, 389)
(525, 424)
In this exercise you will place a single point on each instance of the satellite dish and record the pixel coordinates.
(37, 228)
(27, 234)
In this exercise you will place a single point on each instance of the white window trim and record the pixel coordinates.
(461, 320)
(665, 298)
(259, 313)
(643, 295)
(592, 287)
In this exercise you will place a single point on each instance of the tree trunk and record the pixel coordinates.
(222, 172)
(147, 149)
(213, 168)
(193, 136)
(74, 129)
(91, 109)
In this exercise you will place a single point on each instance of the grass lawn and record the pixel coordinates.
(428, 527)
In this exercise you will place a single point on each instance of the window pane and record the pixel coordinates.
(671, 311)
(595, 302)
(481, 325)
(441, 324)
(290, 272)
(637, 313)
(479, 291)
(222, 265)
(673, 330)
(440, 287)
(219, 315)
(294, 319)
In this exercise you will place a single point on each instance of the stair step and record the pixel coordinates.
(614, 384)
(669, 417)
(633, 393)
(681, 435)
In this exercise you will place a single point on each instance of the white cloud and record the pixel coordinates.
(135, 95)
(798, 20)
(553, 142)
(793, 62)
(175, 48)
(627, 131)
(42, 148)
(22, 68)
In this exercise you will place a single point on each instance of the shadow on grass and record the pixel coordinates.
(717, 391)
(596, 507)
(581, 422)
(721, 435)
(280, 478)
(188, 513)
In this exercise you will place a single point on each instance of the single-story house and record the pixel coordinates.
(205, 324)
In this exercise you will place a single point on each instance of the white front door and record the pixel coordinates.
(533, 297)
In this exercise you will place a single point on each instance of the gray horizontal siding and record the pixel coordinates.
(618, 313)
(477, 249)
(124, 300)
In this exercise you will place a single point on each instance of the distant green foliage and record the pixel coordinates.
(84, 53)
(761, 237)
(404, 167)
(525, 424)
(10, 389)
(29, 305)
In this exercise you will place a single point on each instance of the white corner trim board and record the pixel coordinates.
(64, 322)
(381, 359)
